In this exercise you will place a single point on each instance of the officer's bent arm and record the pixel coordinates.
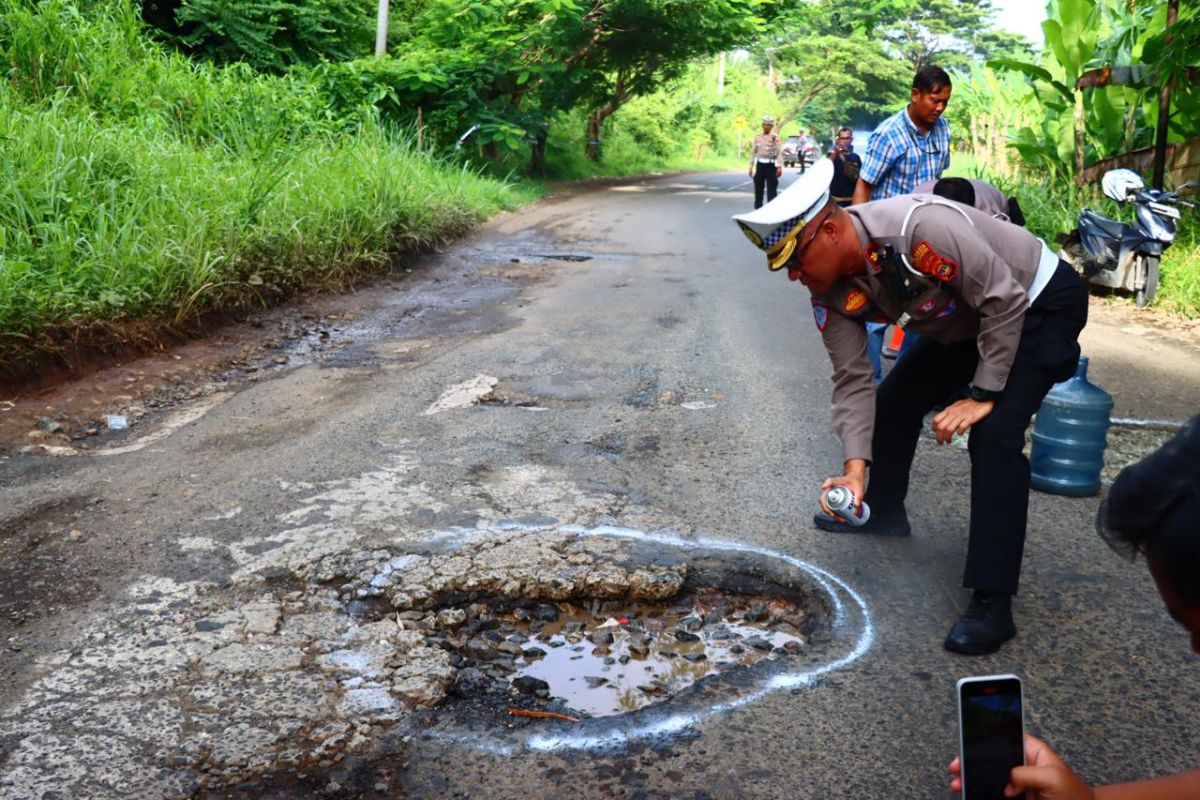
(845, 341)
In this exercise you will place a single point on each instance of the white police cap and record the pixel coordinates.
(776, 226)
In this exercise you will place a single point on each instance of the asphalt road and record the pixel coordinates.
(649, 373)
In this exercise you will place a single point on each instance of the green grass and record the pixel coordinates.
(137, 186)
(113, 223)
(962, 163)
(1180, 289)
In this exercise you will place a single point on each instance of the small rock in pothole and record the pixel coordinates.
(527, 684)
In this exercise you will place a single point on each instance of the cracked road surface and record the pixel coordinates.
(178, 599)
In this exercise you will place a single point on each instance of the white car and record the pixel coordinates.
(799, 151)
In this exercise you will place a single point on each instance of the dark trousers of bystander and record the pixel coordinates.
(764, 176)
(1048, 352)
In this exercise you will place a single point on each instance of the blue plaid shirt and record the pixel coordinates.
(899, 156)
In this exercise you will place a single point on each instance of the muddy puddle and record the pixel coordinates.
(600, 666)
(601, 658)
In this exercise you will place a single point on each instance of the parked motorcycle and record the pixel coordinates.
(1112, 253)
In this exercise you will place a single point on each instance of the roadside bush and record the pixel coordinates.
(103, 64)
(276, 34)
(136, 184)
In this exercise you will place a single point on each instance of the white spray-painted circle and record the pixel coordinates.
(663, 725)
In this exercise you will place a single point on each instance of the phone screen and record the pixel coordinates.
(992, 736)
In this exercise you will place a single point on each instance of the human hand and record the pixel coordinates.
(1044, 774)
(959, 417)
(854, 479)
(750, 172)
(779, 172)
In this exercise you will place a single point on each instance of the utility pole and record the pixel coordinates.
(381, 22)
(1164, 110)
(721, 75)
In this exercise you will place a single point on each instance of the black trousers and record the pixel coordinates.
(1048, 352)
(764, 174)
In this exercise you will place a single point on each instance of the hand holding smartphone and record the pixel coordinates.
(991, 725)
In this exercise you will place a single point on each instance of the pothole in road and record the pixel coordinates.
(516, 634)
(571, 257)
(314, 669)
(609, 657)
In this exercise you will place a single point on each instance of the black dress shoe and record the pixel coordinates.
(877, 525)
(987, 624)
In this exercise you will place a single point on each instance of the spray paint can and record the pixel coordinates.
(841, 502)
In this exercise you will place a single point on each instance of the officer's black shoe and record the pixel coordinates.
(987, 624)
(877, 525)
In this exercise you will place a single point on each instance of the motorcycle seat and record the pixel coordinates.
(1109, 227)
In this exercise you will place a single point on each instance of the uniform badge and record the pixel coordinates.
(873, 259)
(947, 310)
(855, 301)
(821, 315)
(930, 262)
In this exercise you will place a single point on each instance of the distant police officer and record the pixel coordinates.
(1002, 315)
(766, 161)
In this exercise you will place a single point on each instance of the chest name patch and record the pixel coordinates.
(930, 262)
(856, 300)
(821, 315)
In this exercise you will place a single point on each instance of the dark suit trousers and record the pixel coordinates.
(1048, 352)
(764, 175)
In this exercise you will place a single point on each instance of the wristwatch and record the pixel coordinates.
(981, 395)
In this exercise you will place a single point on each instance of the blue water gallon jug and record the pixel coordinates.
(1069, 435)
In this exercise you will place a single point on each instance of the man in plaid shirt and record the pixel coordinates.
(912, 146)
(907, 149)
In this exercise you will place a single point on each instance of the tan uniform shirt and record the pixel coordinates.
(767, 146)
(988, 198)
(969, 274)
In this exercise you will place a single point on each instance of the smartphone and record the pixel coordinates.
(991, 728)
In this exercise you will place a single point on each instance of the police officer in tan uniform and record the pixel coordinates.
(979, 194)
(766, 161)
(1000, 314)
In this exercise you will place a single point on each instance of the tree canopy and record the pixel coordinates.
(493, 74)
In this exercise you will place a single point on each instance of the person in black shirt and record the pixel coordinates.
(846, 165)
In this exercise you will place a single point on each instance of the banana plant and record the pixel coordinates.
(1099, 122)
